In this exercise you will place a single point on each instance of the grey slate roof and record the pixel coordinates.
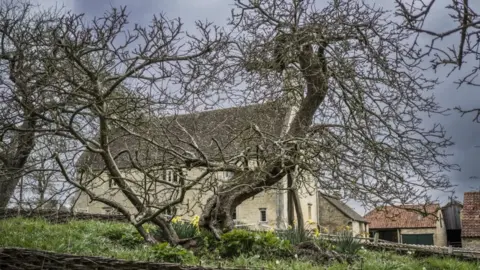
(342, 207)
(232, 128)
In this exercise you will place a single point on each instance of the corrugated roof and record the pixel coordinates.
(344, 208)
(471, 214)
(405, 216)
(222, 132)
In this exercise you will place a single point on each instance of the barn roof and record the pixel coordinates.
(404, 216)
(471, 214)
(222, 132)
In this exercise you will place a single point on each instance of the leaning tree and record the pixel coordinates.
(346, 70)
(360, 97)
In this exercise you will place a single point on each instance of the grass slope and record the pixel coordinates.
(89, 238)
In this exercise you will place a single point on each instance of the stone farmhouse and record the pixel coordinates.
(408, 224)
(218, 134)
(470, 220)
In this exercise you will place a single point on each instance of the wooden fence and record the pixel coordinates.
(383, 244)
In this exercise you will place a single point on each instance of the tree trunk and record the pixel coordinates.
(290, 206)
(298, 210)
(216, 214)
(13, 164)
(8, 183)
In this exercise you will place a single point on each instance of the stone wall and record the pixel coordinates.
(329, 216)
(471, 243)
(20, 259)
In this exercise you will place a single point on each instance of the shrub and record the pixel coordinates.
(125, 237)
(166, 253)
(347, 243)
(242, 242)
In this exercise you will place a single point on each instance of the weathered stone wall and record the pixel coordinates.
(471, 243)
(329, 216)
(21, 259)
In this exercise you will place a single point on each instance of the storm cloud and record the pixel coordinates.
(464, 132)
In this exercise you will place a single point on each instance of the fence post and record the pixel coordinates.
(375, 238)
(450, 250)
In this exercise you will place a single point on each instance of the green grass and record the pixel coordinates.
(95, 238)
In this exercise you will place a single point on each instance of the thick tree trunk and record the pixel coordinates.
(13, 163)
(8, 183)
(216, 215)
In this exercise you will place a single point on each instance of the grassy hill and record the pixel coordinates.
(118, 240)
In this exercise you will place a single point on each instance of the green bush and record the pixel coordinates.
(129, 238)
(264, 244)
(166, 253)
(347, 243)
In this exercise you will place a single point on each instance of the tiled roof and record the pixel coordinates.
(342, 207)
(471, 214)
(217, 132)
(406, 216)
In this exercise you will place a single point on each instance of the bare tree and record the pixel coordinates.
(452, 48)
(122, 79)
(344, 70)
(24, 86)
(361, 97)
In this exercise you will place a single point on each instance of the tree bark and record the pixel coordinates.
(13, 164)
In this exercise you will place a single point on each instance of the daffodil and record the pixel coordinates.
(316, 232)
(310, 222)
(175, 219)
(195, 221)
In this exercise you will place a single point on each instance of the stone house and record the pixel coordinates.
(409, 224)
(218, 134)
(334, 215)
(470, 219)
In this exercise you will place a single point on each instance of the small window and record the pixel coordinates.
(111, 183)
(310, 211)
(227, 175)
(234, 214)
(263, 214)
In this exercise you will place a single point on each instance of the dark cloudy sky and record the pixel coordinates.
(465, 133)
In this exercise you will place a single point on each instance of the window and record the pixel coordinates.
(111, 183)
(227, 175)
(263, 214)
(310, 211)
(234, 214)
(178, 175)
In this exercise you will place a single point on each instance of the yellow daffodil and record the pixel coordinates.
(175, 219)
(195, 221)
(310, 222)
(316, 232)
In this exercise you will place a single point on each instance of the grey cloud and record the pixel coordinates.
(465, 133)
